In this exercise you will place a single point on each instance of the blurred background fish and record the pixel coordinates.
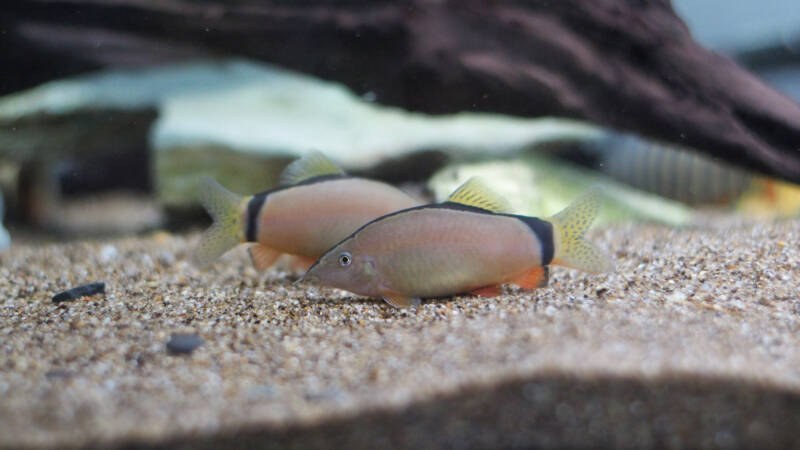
(316, 206)
(688, 176)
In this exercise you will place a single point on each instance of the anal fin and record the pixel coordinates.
(488, 291)
(536, 278)
(400, 300)
(263, 256)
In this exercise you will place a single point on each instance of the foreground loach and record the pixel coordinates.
(470, 243)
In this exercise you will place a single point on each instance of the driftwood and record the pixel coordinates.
(626, 64)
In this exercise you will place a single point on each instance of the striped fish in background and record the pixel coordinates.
(670, 171)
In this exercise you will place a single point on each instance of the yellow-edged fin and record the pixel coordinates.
(474, 192)
(227, 231)
(569, 226)
(315, 164)
(263, 257)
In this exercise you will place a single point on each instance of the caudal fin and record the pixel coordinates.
(569, 226)
(227, 231)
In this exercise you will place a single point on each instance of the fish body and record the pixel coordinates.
(456, 247)
(689, 176)
(318, 206)
(440, 250)
(307, 219)
(668, 170)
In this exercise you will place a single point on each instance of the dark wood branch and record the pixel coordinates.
(626, 64)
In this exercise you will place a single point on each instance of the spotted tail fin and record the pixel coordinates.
(569, 226)
(227, 231)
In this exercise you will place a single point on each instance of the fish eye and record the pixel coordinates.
(345, 259)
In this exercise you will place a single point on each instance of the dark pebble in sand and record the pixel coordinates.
(183, 343)
(58, 373)
(80, 291)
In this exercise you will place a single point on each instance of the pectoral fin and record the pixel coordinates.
(488, 291)
(263, 256)
(400, 300)
(536, 278)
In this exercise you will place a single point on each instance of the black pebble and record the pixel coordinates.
(183, 343)
(58, 373)
(80, 291)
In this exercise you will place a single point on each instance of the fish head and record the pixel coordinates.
(345, 267)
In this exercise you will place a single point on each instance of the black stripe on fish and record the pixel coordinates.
(659, 178)
(318, 179)
(543, 230)
(255, 204)
(651, 178)
(312, 180)
(253, 209)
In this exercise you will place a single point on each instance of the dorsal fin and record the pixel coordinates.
(475, 193)
(312, 165)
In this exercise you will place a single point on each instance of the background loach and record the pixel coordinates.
(685, 114)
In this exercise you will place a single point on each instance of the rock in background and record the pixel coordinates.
(608, 62)
(241, 122)
(258, 113)
(71, 145)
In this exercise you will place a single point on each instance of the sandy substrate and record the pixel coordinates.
(692, 341)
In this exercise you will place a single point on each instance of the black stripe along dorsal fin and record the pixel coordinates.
(476, 194)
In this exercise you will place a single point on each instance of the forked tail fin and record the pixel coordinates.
(569, 226)
(227, 231)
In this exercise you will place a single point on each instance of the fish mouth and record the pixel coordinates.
(307, 278)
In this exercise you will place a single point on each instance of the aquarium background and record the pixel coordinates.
(111, 334)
